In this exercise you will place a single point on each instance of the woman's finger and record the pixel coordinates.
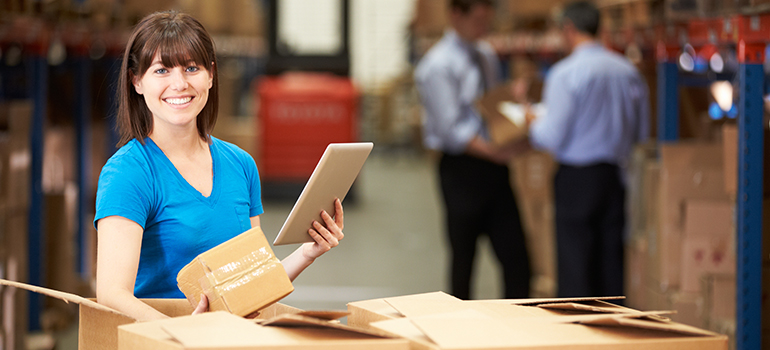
(203, 305)
(328, 236)
(339, 215)
(332, 226)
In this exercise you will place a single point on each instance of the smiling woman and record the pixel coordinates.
(172, 191)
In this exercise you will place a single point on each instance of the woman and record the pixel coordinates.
(172, 191)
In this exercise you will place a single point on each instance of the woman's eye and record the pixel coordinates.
(161, 71)
(193, 69)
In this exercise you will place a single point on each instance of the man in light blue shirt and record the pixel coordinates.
(597, 108)
(473, 173)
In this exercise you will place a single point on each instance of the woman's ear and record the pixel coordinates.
(137, 84)
(211, 75)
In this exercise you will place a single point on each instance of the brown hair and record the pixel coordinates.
(465, 6)
(178, 39)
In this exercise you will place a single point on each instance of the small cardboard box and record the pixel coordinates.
(103, 328)
(439, 321)
(239, 276)
(502, 130)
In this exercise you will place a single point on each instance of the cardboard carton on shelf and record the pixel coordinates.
(730, 156)
(688, 171)
(439, 321)
(278, 326)
(239, 276)
(708, 246)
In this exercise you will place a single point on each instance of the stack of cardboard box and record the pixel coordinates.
(15, 163)
(681, 253)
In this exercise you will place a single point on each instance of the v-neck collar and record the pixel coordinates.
(213, 197)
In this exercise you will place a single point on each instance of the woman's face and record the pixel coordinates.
(174, 95)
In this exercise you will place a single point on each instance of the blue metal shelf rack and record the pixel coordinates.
(750, 84)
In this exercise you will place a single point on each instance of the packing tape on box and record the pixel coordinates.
(219, 281)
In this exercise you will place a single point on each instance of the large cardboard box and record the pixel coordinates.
(221, 330)
(103, 328)
(636, 271)
(439, 321)
(15, 154)
(709, 241)
(689, 170)
(15, 305)
(719, 298)
(532, 175)
(240, 276)
(730, 156)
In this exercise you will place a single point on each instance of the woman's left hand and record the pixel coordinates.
(326, 237)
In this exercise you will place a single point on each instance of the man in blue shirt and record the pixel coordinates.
(474, 176)
(597, 108)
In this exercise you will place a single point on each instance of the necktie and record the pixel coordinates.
(478, 59)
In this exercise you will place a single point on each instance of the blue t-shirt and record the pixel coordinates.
(141, 184)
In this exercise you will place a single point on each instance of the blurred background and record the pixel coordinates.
(298, 74)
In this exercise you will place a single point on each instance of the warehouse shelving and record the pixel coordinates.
(747, 33)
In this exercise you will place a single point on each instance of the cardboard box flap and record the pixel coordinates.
(642, 321)
(596, 306)
(465, 329)
(297, 320)
(404, 328)
(414, 307)
(536, 302)
(328, 315)
(66, 297)
(218, 329)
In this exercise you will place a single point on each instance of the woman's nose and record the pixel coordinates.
(178, 80)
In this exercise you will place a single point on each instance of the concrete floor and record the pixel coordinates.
(394, 242)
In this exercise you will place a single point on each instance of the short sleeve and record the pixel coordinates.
(124, 189)
(255, 188)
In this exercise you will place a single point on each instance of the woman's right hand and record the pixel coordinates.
(203, 305)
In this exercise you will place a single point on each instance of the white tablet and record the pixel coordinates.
(338, 168)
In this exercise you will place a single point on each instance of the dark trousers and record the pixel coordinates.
(590, 219)
(478, 199)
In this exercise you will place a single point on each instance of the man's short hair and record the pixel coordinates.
(583, 15)
(465, 6)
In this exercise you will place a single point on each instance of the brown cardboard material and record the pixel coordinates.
(636, 270)
(99, 327)
(365, 312)
(532, 175)
(221, 330)
(730, 155)
(720, 298)
(502, 130)
(689, 308)
(688, 171)
(701, 256)
(240, 276)
(709, 241)
(482, 325)
(709, 218)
